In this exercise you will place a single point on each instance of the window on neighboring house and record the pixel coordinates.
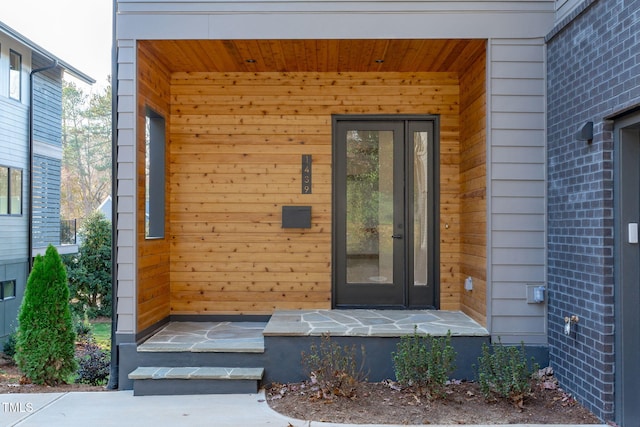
(154, 174)
(7, 289)
(15, 74)
(10, 191)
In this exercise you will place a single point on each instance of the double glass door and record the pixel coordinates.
(384, 213)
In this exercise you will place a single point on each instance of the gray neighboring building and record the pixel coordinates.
(593, 152)
(30, 152)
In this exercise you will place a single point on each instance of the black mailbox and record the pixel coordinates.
(296, 217)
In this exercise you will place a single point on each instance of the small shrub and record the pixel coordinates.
(89, 271)
(9, 347)
(93, 365)
(424, 363)
(333, 368)
(82, 327)
(503, 371)
(45, 343)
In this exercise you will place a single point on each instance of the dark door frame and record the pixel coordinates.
(627, 268)
(411, 298)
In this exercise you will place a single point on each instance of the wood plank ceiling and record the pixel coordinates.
(403, 55)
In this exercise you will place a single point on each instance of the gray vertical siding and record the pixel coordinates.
(12, 270)
(517, 188)
(14, 139)
(14, 153)
(47, 106)
(126, 227)
(46, 201)
(47, 132)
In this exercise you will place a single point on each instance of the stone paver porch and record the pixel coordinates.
(249, 336)
(231, 357)
(372, 323)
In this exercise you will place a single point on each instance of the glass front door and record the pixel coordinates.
(383, 217)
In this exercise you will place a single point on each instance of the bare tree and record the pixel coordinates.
(86, 163)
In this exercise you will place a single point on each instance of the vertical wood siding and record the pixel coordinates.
(236, 146)
(153, 254)
(473, 189)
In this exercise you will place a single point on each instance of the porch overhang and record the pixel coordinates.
(362, 55)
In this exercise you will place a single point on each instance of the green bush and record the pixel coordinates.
(503, 371)
(93, 365)
(89, 271)
(46, 340)
(9, 347)
(424, 363)
(82, 327)
(334, 368)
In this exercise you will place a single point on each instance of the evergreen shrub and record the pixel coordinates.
(45, 343)
(503, 372)
(424, 363)
(89, 271)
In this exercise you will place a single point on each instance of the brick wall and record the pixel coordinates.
(593, 72)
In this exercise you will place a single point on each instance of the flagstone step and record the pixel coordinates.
(154, 380)
(207, 337)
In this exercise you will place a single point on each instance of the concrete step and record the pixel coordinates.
(156, 381)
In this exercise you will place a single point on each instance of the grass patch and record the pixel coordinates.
(102, 334)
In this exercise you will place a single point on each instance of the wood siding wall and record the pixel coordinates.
(153, 254)
(236, 146)
(473, 188)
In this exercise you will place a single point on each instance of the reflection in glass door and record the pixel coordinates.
(370, 196)
(420, 207)
(384, 213)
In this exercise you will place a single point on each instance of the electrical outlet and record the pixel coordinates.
(536, 294)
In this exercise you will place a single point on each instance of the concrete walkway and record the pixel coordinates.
(122, 409)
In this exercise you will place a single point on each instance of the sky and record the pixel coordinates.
(76, 31)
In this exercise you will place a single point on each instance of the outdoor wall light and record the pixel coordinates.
(586, 132)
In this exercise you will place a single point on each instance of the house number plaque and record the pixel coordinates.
(306, 174)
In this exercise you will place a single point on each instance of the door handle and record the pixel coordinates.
(396, 236)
